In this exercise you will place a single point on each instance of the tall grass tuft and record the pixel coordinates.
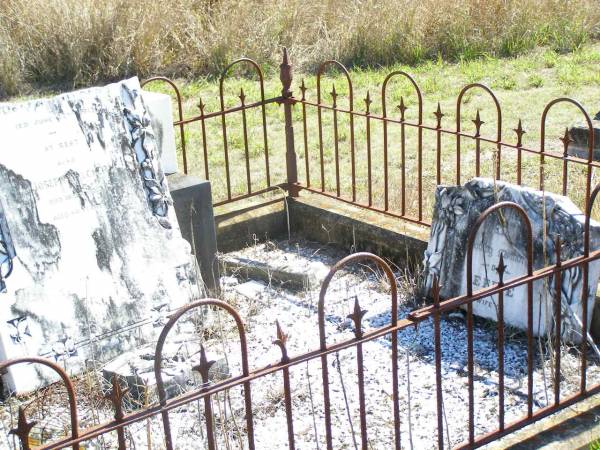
(71, 43)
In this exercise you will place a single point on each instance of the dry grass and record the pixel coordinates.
(71, 43)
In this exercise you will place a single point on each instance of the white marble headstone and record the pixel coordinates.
(161, 118)
(455, 213)
(91, 256)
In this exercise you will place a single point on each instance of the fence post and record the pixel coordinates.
(285, 75)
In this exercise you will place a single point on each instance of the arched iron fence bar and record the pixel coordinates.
(68, 385)
(498, 130)
(419, 144)
(589, 201)
(320, 72)
(588, 121)
(379, 262)
(224, 75)
(585, 280)
(179, 114)
(162, 396)
(469, 278)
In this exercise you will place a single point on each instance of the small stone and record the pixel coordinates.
(251, 289)
(456, 315)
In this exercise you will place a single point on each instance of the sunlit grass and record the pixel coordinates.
(524, 86)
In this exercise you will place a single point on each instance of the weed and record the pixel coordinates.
(534, 80)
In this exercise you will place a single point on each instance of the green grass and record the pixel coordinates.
(523, 85)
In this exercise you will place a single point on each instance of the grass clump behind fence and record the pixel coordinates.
(72, 43)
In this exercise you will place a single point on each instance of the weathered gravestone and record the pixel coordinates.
(579, 139)
(91, 256)
(161, 120)
(455, 213)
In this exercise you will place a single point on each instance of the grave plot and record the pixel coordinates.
(279, 283)
(322, 360)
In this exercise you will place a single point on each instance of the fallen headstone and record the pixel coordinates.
(579, 135)
(455, 213)
(91, 256)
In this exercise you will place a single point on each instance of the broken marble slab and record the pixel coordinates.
(135, 371)
(91, 256)
(455, 211)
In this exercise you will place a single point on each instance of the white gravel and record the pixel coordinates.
(260, 305)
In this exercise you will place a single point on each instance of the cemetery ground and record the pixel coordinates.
(263, 302)
(523, 85)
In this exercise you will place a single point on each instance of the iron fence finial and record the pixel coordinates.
(501, 268)
(116, 396)
(520, 132)
(281, 342)
(285, 75)
(478, 122)
(23, 429)
(566, 140)
(438, 116)
(357, 316)
(334, 95)
(303, 89)
(204, 367)
(402, 107)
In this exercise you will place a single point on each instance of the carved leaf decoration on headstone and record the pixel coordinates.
(7, 250)
(142, 136)
(20, 329)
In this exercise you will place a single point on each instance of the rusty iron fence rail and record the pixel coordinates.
(427, 173)
(181, 123)
(432, 312)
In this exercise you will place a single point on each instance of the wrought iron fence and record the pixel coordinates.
(182, 125)
(434, 312)
(401, 188)
(433, 175)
